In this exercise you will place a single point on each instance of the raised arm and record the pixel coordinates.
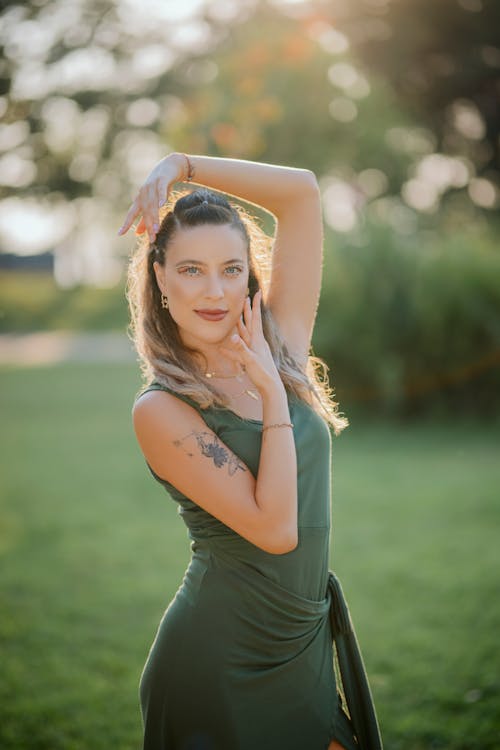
(291, 195)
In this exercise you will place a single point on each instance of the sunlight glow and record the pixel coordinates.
(31, 226)
(443, 171)
(343, 109)
(434, 174)
(341, 202)
(373, 182)
(169, 11)
(412, 140)
(421, 195)
(467, 119)
(484, 193)
(15, 171)
(143, 112)
(331, 40)
(13, 135)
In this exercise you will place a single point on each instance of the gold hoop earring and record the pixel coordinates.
(164, 301)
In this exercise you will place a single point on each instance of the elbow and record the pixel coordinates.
(303, 188)
(311, 181)
(289, 544)
(286, 540)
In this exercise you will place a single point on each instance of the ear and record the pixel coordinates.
(160, 275)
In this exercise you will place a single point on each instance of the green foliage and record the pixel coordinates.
(33, 302)
(92, 551)
(435, 55)
(409, 323)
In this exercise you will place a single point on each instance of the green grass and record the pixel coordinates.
(92, 550)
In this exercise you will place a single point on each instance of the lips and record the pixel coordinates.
(211, 314)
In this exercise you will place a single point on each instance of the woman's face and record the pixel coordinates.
(206, 269)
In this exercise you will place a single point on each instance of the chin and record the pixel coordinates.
(196, 338)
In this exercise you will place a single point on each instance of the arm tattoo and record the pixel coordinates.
(210, 447)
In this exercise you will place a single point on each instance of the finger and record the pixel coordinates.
(243, 331)
(247, 313)
(256, 309)
(141, 227)
(230, 354)
(237, 346)
(132, 213)
(162, 192)
(150, 211)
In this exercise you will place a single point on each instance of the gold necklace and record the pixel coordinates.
(248, 392)
(238, 377)
(215, 375)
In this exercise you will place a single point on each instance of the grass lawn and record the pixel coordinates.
(92, 551)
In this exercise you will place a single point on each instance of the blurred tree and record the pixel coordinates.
(442, 60)
(272, 99)
(85, 88)
(93, 93)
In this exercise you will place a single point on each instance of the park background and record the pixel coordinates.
(395, 107)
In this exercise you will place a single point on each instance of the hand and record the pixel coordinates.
(250, 349)
(153, 194)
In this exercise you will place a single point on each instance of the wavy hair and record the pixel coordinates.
(164, 357)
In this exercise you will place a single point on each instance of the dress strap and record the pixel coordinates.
(156, 386)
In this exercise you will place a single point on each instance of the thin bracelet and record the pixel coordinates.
(281, 424)
(190, 168)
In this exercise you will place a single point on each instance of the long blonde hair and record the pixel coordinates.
(164, 357)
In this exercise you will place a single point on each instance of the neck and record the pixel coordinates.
(207, 358)
(208, 362)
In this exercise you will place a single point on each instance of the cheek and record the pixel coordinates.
(179, 288)
(239, 289)
(236, 296)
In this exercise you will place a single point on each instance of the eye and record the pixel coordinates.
(187, 270)
(234, 270)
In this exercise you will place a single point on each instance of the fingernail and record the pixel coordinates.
(162, 202)
(120, 231)
(155, 227)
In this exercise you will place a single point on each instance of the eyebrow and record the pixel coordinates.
(200, 263)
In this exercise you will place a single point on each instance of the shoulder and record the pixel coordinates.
(163, 423)
(157, 402)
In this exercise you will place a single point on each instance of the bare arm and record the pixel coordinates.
(181, 449)
(292, 196)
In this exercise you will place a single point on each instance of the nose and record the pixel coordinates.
(214, 287)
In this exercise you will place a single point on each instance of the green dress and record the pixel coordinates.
(243, 656)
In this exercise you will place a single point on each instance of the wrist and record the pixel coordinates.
(184, 164)
(272, 390)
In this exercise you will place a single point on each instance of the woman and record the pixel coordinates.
(234, 424)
